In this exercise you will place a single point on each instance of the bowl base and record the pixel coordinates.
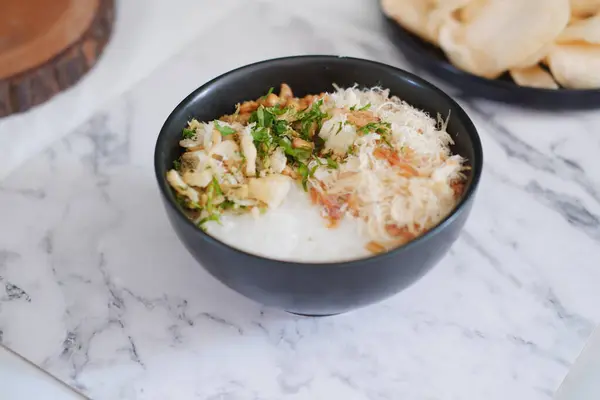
(311, 315)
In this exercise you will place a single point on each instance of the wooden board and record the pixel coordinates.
(47, 46)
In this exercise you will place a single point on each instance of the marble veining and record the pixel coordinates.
(96, 289)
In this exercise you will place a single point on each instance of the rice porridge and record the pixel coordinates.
(322, 178)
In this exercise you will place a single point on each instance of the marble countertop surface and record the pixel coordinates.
(96, 289)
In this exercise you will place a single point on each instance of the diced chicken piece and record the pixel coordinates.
(218, 199)
(180, 186)
(198, 178)
(278, 160)
(194, 124)
(199, 138)
(176, 181)
(230, 119)
(271, 190)
(337, 135)
(249, 150)
(286, 92)
(238, 193)
(216, 139)
(190, 143)
(228, 150)
(194, 160)
(207, 136)
(287, 171)
(298, 143)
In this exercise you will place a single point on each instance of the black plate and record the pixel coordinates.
(431, 58)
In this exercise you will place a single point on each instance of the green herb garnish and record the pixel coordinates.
(216, 187)
(268, 128)
(182, 200)
(211, 217)
(268, 93)
(177, 165)
(300, 154)
(332, 163)
(225, 130)
(304, 173)
(227, 205)
(310, 117)
(378, 127)
(260, 116)
(261, 135)
(188, 133)
(363, 108)
(214, 210)
(277, 110)
(386, 141)
(280, 127)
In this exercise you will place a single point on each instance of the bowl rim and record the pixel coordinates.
(471, 130)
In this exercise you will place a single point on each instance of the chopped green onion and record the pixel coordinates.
(188, 133)
(261, 135)
(216, 186)
(332, 163)
(313, 170)
(260, 114)
(227, 204)
(281, 127)
(386, 141)
(377, 127)
(304, 173)
(363, 108)
(225, 130)
(211, 217)
(268, 93)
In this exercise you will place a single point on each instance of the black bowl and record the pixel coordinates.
(325, 288)
(503, 89)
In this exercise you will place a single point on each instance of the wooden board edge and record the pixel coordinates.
(20, 92)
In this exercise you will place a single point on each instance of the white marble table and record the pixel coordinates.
(96, 289)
